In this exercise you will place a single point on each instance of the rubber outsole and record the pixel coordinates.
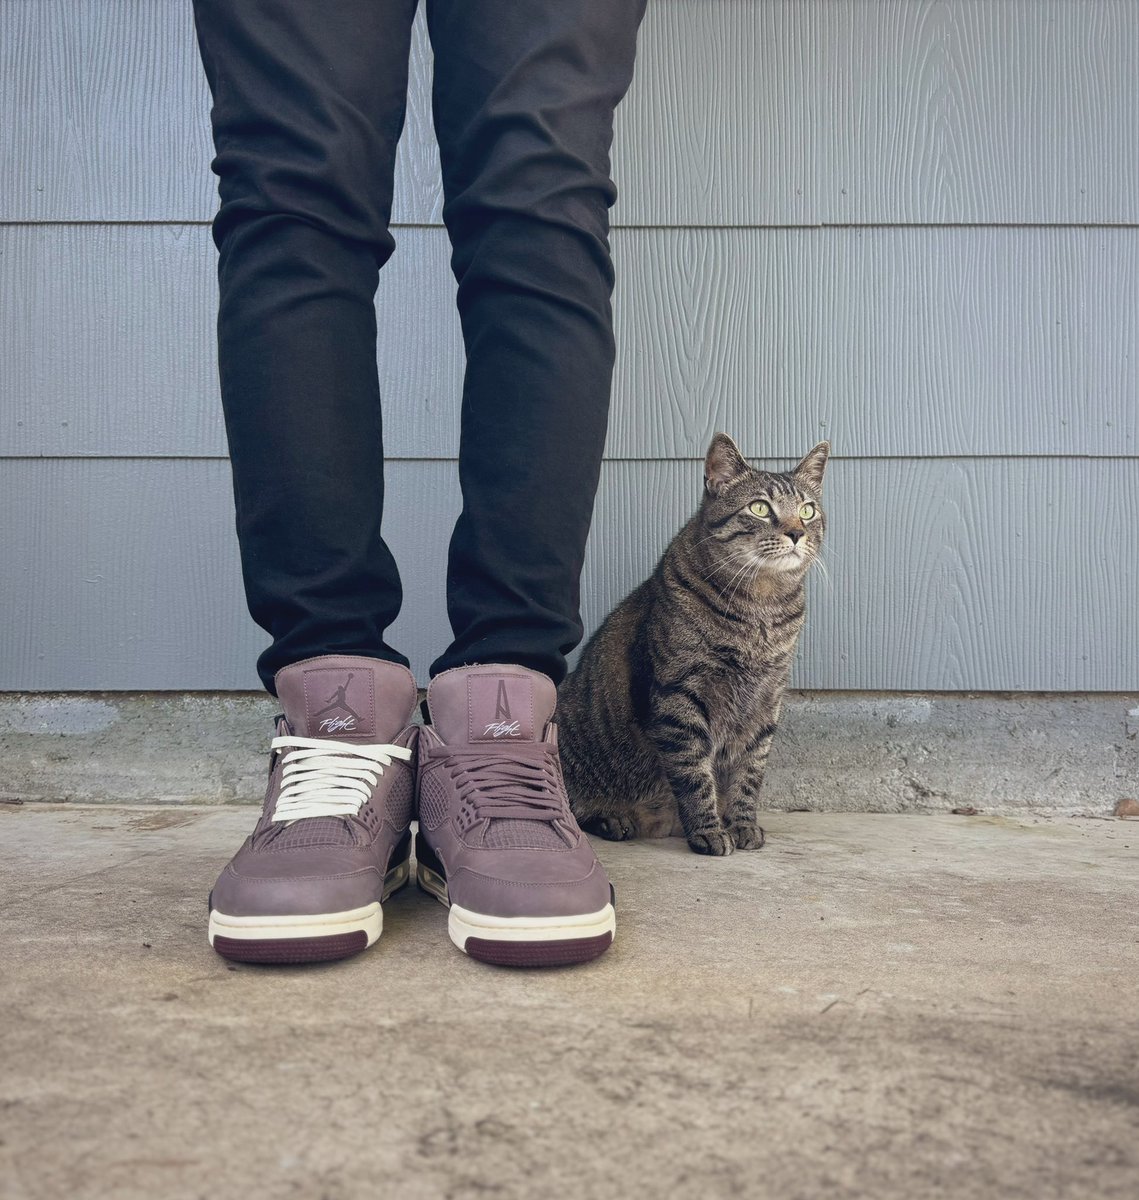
(564, 953)
(291, 951)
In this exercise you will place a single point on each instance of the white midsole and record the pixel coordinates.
(370, 919)
(463, 924)
(431, 881)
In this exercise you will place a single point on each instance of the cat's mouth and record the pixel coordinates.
(792, 558)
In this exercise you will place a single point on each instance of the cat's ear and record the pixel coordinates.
(722, 464)
(810, 470)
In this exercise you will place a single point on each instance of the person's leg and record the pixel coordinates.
(524, 95)
(308, 104)
(525, 92)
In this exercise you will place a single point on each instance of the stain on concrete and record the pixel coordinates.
(162, 820)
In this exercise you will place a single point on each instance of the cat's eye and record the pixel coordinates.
(808, 512)
(760, 508)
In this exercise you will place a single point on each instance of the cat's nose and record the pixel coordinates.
(794, 535)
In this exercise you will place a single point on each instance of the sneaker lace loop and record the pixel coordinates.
(325, 778)
(517, 782)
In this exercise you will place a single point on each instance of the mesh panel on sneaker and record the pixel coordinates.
(432, 802)
(313, 831)
(397, 806)
(522, 835)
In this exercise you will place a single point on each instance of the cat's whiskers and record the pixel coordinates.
(746, 579)
(755, 573)
(729, 585)
(756, 567)
(726, 562)
(737, 575)
(743, 557)
(822, 566)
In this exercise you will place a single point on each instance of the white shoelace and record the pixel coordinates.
(325, 778)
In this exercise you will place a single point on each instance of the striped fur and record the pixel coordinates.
(666, 724)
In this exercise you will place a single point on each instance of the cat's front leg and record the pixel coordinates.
(740, 812)
(695, 792)
(684, 746)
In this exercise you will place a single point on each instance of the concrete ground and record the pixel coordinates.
(877, 1006)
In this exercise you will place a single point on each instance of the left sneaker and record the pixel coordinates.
(497, 841)
(334, 840)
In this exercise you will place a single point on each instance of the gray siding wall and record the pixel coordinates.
(909, 226)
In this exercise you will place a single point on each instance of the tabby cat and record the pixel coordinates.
(666, 724)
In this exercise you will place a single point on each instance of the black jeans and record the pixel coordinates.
(308, 105)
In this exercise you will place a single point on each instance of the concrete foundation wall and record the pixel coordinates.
(835, 752)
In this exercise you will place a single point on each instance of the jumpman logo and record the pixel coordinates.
(338, 701)
(503, 725)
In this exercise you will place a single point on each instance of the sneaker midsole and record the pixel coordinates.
(462, 923)
(300, 925)
(368, 917)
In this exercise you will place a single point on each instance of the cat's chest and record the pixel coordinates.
(736, 696)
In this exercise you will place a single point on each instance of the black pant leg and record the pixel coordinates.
(308, 104)
(524, 97)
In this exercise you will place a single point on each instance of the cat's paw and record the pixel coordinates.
(613, 828)
(747, 837)
(715, 842)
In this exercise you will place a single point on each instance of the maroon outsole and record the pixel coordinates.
(291, 950)
(538, 954)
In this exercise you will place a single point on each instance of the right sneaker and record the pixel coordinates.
(334, 840)
(498, 843)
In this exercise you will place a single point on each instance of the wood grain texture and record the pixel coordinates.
(942, 575)
(991, 112)
(786, 112)
(114, 112)
(114, 350)
(117, 125)
(913, 341)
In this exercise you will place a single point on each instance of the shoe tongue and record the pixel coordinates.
(493, 703)
(346, 697)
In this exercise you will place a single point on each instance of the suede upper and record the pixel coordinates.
(326, 864)
(491, 801)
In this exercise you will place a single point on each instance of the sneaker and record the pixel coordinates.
(497, 841)
(334, 839)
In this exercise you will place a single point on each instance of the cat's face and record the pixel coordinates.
(757, 521)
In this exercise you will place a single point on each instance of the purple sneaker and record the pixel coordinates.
(333, 840)
(497, 841)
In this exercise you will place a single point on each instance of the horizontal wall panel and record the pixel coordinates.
(977, 111)
(125, 574)
(115, 123)
(882, 112)
(925, 341)
(913, 341)
(941, 575)
(112, 347)
(784, 112)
